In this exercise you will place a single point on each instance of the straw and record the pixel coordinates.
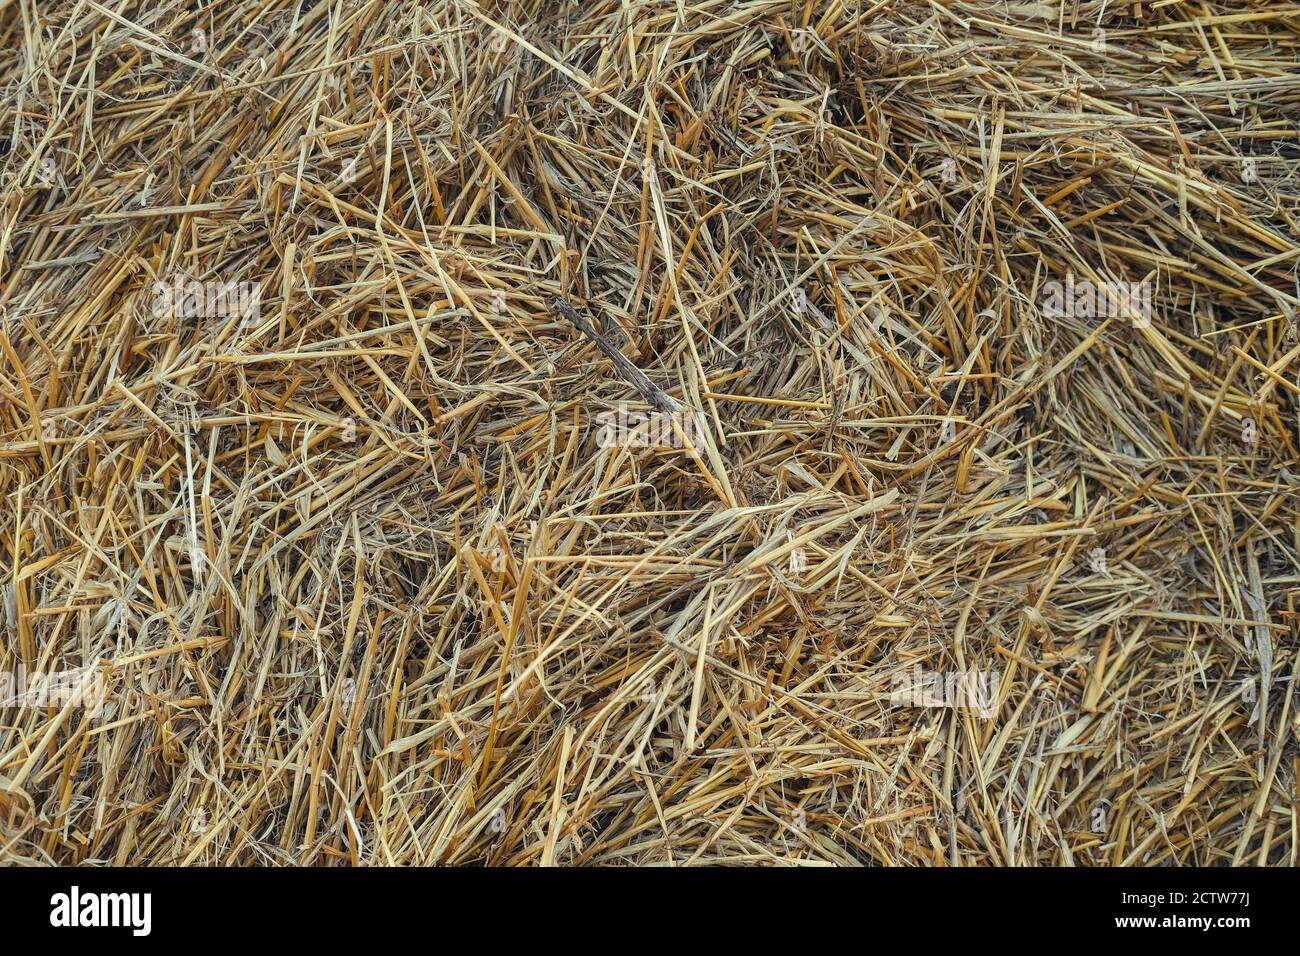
(986, 552)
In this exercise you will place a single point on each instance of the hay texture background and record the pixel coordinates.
(365, 586)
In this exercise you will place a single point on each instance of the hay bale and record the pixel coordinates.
(644, 433)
